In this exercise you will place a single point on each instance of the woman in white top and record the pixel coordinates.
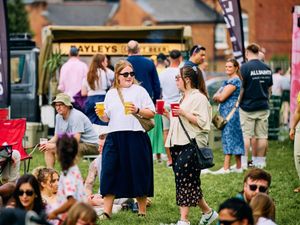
(97, 82)
(195, 113)
(127, 164)
(263, 209)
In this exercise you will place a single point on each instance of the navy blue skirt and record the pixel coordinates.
(127, 165)
(89, 108)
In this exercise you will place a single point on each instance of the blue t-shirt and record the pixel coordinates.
(146, 74)
(190, 63)
(77, 122)
(257, 79)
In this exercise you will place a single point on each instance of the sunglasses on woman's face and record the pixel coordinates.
(27, 192)
(126, 74)
(227, 222)
(262, 189)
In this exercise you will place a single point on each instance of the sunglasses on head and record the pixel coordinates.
(227, 222)
(126, 74)
(197, 49)
(27, 192)
(253, 187)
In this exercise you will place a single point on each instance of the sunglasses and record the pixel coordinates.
(27, 192)
(227, 222)
(262, 189)
(126, 74)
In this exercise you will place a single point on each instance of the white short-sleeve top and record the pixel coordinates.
(114, 108)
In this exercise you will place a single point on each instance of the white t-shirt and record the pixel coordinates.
(264, 221)
(114, 108)
(105, 81)
(170, 92)
(277, 84)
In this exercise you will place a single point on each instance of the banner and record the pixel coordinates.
(232, 16)
(4, 57)
(295, 70)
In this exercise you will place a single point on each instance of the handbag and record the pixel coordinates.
(147, 124)
(219, 121)
(204, 154)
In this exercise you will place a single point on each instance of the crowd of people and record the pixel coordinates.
(124, 150)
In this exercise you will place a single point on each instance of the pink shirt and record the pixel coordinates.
(71, 75)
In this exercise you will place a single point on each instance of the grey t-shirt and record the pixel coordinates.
(77, 122)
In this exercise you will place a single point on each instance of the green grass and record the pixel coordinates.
(216, 189)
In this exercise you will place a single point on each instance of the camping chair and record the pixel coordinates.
(12, 132)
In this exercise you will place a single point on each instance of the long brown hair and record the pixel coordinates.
(262, 206)
(119, 66)
(92, 76)
(237, 66)
(196, 77)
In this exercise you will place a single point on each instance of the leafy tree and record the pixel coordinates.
(17, 17)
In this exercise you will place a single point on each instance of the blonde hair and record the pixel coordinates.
(119, 66)
(81, 211)
(42, 174)
(262, 206)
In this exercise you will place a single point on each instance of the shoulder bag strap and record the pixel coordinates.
(186, 133)
(120, 95)
(236, 105)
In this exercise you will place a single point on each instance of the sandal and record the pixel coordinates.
(143, 215)
(104, 216)
(297, 190)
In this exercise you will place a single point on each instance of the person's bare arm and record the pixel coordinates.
(294, 122)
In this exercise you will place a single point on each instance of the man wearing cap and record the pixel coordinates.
(71, 121)
(72, 74)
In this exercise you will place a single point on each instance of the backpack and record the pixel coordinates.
(5, 156)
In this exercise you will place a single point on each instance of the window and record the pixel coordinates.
(19, 69)
(221, 36)
(245, 20)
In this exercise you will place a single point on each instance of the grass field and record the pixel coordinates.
(216, 188)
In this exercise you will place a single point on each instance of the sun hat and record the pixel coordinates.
(63, 98)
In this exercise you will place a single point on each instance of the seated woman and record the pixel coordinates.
(263, 209)
(28, 195)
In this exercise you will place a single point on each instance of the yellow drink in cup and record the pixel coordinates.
(100, 108)
(127, 106)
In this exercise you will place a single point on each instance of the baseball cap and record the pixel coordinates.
(64, 98)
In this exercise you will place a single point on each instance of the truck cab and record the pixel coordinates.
(24, 78)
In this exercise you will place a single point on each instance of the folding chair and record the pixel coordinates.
(12, 132)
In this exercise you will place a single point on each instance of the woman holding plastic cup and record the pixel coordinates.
(195, 113)
(127, 164)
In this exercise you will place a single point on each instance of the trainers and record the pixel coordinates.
(235, 170)
(181, 222)
(206, 171)
(221, 171)
(208, 218)
(234, 167)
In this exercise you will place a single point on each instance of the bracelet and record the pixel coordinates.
(137, 111)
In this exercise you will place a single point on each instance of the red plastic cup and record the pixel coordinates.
(160, 106)
(174, 106)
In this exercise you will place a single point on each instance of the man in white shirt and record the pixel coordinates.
(277, 82)
(170, 92)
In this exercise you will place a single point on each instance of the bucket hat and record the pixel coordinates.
(64, 98)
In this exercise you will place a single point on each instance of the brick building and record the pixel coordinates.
(266, 22)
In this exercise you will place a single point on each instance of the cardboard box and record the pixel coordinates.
(34, 131)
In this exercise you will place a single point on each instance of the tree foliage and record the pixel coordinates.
(17, 17)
